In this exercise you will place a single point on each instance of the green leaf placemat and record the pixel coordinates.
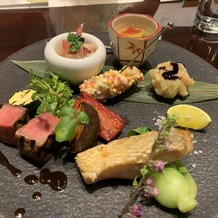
(142, 92)
(39, 67)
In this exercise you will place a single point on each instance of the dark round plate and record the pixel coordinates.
(107, 198)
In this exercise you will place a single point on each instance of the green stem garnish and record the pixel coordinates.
(163, 133)
(157, 146)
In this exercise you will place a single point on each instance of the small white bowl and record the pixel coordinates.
(75, 71)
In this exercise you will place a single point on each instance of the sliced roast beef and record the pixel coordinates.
(36, 141)
(11, 118)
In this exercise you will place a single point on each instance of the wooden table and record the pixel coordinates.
(22, 27)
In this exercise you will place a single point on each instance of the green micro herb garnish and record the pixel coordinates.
(139, 131)
(66, 128)
(52, 93)
(75, 42)
(55, 96)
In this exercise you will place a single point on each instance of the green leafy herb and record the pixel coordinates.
(66, 128)
(139, 131)
(83, 118)
(52, 93)
(144, 170)
(75, 42)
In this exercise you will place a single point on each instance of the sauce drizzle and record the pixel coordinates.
(36, 195)
(19, 212)
(170, 74)
(57, 180)
(4, 162)
(31, 179)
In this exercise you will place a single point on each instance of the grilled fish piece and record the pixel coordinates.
(123, 158)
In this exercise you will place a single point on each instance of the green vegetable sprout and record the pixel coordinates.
(55, 96)
(52, 93)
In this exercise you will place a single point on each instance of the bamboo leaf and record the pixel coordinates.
(142, 92)
(39, 67)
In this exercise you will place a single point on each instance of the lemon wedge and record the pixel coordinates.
(189, 116)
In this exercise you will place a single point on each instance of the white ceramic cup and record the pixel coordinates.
(126, 48)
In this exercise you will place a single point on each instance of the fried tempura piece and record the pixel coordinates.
(123, 158)
(170, 79)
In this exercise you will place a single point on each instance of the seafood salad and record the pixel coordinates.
(75, 46)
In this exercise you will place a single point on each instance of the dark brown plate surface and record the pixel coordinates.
(106, 199)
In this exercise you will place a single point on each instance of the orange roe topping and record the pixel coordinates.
(131, 31)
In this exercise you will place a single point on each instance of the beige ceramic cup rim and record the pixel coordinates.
(113, 21)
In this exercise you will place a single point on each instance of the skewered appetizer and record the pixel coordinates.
(111, 83)
(170, 79)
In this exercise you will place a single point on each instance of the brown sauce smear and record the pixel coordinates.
(31, 179)
(19, 212)
(4, 161)
(57, 180)
(36, 195)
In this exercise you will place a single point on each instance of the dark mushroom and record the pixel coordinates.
(86, 134)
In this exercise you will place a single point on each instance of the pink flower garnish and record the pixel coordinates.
(159, 165)
(149, 181)
(137, 210)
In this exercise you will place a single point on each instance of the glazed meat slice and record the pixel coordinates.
(11, 118)
(111, 124)
(35, 140)
(123, 158)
